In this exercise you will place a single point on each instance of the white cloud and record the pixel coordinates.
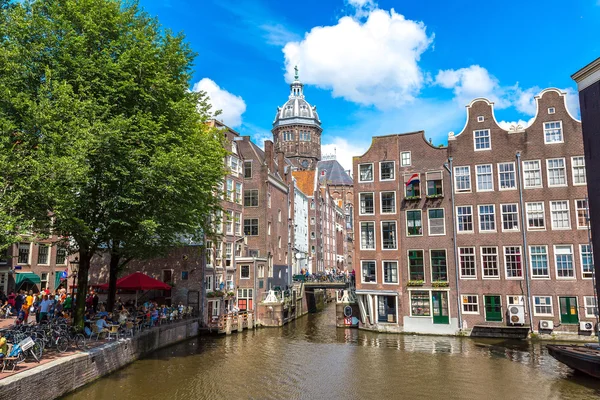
(343, 150)
(232, 106)
(361, 8)
(512, 125)
(277, 34)
(374, 62)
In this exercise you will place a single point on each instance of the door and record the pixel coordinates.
(568, 310)
(386, 308)
(493, 308)
(440, 307)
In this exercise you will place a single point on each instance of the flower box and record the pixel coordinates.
(440, 284)
(415, 283)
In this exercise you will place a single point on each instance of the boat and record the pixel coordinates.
(585, 359)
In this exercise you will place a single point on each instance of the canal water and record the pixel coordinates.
(312, 359)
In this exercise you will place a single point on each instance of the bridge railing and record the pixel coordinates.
(322, 278)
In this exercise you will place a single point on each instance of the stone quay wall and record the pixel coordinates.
(66, 374)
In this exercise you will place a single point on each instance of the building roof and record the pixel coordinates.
(305, 180)
(334, 173)
(297, 110)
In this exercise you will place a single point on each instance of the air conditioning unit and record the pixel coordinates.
(586, 326)
(547, 324)
(516, 315)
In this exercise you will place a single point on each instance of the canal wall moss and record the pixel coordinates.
(66, 374)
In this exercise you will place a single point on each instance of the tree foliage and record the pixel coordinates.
(95, 93)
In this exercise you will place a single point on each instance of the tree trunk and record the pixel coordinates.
(115, 258)
(82, 286)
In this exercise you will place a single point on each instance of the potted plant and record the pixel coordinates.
(417, 282)
(440, 284)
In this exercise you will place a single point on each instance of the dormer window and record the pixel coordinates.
(480, 118)
(551, 110)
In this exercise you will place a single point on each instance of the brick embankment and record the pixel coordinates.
(66, 374)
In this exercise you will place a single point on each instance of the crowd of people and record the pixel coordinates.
(43, 305)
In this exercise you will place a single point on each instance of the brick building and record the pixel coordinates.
(510, 256)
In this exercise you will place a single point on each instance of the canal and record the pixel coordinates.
(312, 359)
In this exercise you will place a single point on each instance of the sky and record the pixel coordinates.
(382, 67)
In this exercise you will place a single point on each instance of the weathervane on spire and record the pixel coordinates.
(296, 72)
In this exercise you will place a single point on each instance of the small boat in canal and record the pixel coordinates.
(585, 358)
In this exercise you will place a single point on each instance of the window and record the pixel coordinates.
(245, 298)
(245, 272)
(437, 224)
(278, 215)
(563, 255)
(419, 303)
(247, 169)
(367, 235)
(581, 206)
(208, 283)
(251, 198)
(556, 172)
(413, 223)
(439, 270)
(312, 220)
(591, 308)
(230, 194)
(390, 272)
(482, 139)
(228, 249)
(535, 215)
(24, 249)
(3, 259)
(229, 222)
(368, 272)
(251, 227)
(578, 170)
(467, 262)
(312, 235)
(506, 176)
(365, 172)
(44, 281)
(405, 158)
(512, 261)
(560, 214)
(553, 132)
(234, 165)
(279, 241)
(587, 263)
(386, 170)
(434, 184)
(551, 110)
(388, 235)
(470, 304)
(415, 265)
(489, 262)
(238, 193)
(367, 205)
(542, 305)
(412, 186)
(480, 118)
(532, 174)
(462, 179)
(510, 217)
(485, 183)
(288, 136)
(238, 224)
(185, 275)
(464, 216)
(43, 252)
(61, 256)
(487, 218)
(388, 202)
(539, 261)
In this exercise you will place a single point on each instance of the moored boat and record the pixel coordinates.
(585, 359)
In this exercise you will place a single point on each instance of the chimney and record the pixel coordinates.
(281, 165)
(269, 155)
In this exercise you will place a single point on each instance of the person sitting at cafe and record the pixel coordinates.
(3, 346)
(102, 325)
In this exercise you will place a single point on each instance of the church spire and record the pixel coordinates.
(296, 88)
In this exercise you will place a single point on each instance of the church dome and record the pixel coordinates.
(297, 110)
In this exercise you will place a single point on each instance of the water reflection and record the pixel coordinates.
(312, 359)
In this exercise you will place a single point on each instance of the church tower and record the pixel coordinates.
(297, 129)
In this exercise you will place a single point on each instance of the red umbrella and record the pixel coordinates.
(138, 281)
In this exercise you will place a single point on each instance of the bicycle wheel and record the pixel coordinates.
(79, 340)
(62, 344)
(38, 349)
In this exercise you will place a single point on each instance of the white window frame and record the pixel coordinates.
(498, 263)
(372, 172)
(573, 171)
(551, 110)
(374, 236)
(539, 170)
(360, 206)
(477, 174)
(47, 246)
(208, 283)
(383, 272)
(454, 176)
(529, 228)
(362, 275)
(463, 303)
(429, 222)
(562, 133)
(393, 171)
(489, 136)
(538, 314)
(406, 222)
(480, 118)
(472, 220)
(568, 214)
(585, 306)
(502, 217)
(402, 164)
(548, 267)
(577, 209)
(581, 259)
(467, 277)
(427, 174)
(574, 268)
(395, 234)
(28, 254)
(245, 265)
(514, 172)
(564, 171)
(479, 218)
(381, 202)
(512, 278)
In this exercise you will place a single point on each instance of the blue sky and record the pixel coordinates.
(382, 67)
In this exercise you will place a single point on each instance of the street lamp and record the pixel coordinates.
(74, 270)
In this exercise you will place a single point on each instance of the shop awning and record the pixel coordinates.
(30, 277)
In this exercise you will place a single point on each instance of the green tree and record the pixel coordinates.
(99, 92)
